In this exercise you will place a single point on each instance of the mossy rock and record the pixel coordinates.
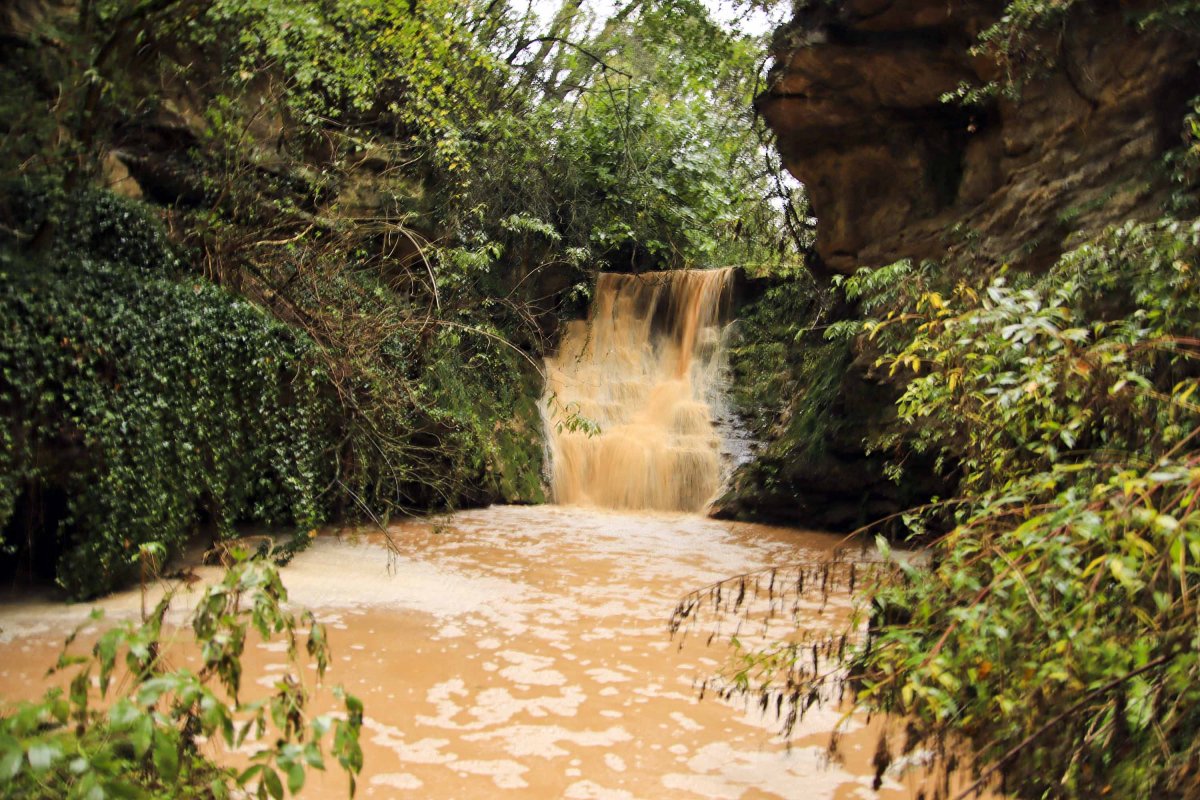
(517, 468)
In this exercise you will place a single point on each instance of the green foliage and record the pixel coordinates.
(420, 66)
(147, 400)
(798, 382)
(132, 726)
(1054, 625)
(1078, 362)
(784, 391)
(877, 289)
(395, 201)
(1058, 633)
(106, 227)
(789, 390)
(1018, 44)
(1184, 161)
(151, 402)
(1056, 628)
(880, 295)
(636, 152)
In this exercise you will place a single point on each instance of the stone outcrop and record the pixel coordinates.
(830, 484)
(892, 171)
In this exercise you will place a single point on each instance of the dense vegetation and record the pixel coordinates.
(1056, 628)
(281, 263)
(355, 228)
(1054, 625)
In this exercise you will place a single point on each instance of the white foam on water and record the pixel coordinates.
(542, 741)
(602, 675)
(397, 780)
(685, 722)
(546, 621)
(590, 790)
(722, 772)
(530, 670)
(504, 773)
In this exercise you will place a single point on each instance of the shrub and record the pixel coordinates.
(140, 736)
(1056, 627)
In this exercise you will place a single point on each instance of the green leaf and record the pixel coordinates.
(141, 734)
(884, 548)
(11, 760)
(166, 756)
(248, 774)
(124, 713)
(295, 778)
(271, 781)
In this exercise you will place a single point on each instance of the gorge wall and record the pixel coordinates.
(893, 172)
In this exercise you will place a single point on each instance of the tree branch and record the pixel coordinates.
(512, 57)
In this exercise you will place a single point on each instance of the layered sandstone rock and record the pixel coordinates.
(892, 171)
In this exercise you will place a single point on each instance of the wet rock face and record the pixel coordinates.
(855, 101)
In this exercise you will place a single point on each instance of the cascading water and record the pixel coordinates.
(634, 390)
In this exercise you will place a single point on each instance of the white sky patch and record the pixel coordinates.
(737, 15)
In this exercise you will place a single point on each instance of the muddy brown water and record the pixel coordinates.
(523, 652)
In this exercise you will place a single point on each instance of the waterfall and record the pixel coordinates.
(633, 392)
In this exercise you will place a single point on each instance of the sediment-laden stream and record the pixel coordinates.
(523, 652)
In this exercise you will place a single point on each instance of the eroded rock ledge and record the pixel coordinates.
(892, 171)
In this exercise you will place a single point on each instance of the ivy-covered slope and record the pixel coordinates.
(140, 401)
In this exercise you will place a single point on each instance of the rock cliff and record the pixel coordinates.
(855, 98)
(892, 171)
